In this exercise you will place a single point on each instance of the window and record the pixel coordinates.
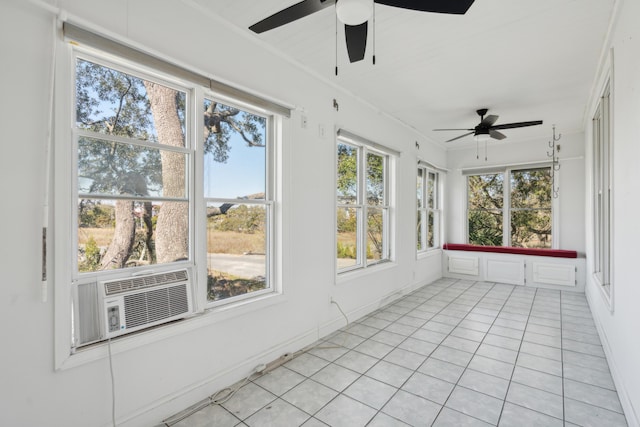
(602, 191)
(429, 213)
(238, 200)
(160, 170)
(363, 203)
(511, 207)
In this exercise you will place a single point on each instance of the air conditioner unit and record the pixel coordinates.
(140, 302)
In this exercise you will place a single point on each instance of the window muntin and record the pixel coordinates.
(362, 206)
(510, 208)
(133, 198)
(429, 212)
(238, 201)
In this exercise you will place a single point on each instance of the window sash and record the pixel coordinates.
(429, 212)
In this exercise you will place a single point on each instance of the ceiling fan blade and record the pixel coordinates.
(461, 136)
(496, 135)
(489, 120)
(517, 125)
(356, 37)
(453, 129)
(457, 7)
(290, 14)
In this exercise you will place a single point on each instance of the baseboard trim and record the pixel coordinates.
(633, 420)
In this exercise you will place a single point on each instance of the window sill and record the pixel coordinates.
(349, 276)
(429, 253)
(209, 317)
(605, 292)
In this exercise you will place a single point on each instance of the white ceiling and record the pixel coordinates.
(523, 59)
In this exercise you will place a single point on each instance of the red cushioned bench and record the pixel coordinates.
(556, 253)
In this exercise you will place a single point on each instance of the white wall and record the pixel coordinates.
(618, 321)
(155, 380)
(570, 202)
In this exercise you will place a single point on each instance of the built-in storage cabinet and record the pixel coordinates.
(516, 269)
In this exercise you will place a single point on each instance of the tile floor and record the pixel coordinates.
(453, 353)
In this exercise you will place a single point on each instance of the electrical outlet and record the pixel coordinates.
(303, 121)
(321, 131)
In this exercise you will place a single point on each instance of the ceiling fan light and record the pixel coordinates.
(482, 137)
(354, 12)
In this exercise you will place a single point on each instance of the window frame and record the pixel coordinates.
(602, 205)
(66, 276)
(507, 209)
(423, 210)
(364, 147)
(269, 202)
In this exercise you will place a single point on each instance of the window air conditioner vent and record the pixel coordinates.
(131, 284)
(155, 305)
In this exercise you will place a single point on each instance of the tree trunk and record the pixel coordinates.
(120, 247)
(172, 227)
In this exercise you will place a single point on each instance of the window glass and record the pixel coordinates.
(530, 222)
(485, 203)
(347, 187)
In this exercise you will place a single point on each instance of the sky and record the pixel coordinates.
(243, 173)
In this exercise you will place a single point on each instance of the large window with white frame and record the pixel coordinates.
(165, 174)
(510, 207)
(363, 203)
(429, 214)
(602, 191)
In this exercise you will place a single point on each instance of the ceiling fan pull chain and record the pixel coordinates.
(477, 150)
(485, 150)
(374, 34)
(336, 37)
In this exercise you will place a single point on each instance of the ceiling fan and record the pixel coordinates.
(354, 14)
(487, 129)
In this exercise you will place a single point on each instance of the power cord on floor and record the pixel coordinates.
(113, 386)
(344, 340)
(213, 399)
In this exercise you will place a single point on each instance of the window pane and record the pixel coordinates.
(375, 234)
(112, 168)
(531, 228)
(485, 227)
(347, 246)
(420, 230)
(431, 190)
(531, 188)
(347, 187)
(115, 103)
(127, 233)
(375, 179)
(419, 188)
(236, 249)
(430, 229)
(485, 191)
(235, 152)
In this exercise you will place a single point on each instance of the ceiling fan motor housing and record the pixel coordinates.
(354, 12)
